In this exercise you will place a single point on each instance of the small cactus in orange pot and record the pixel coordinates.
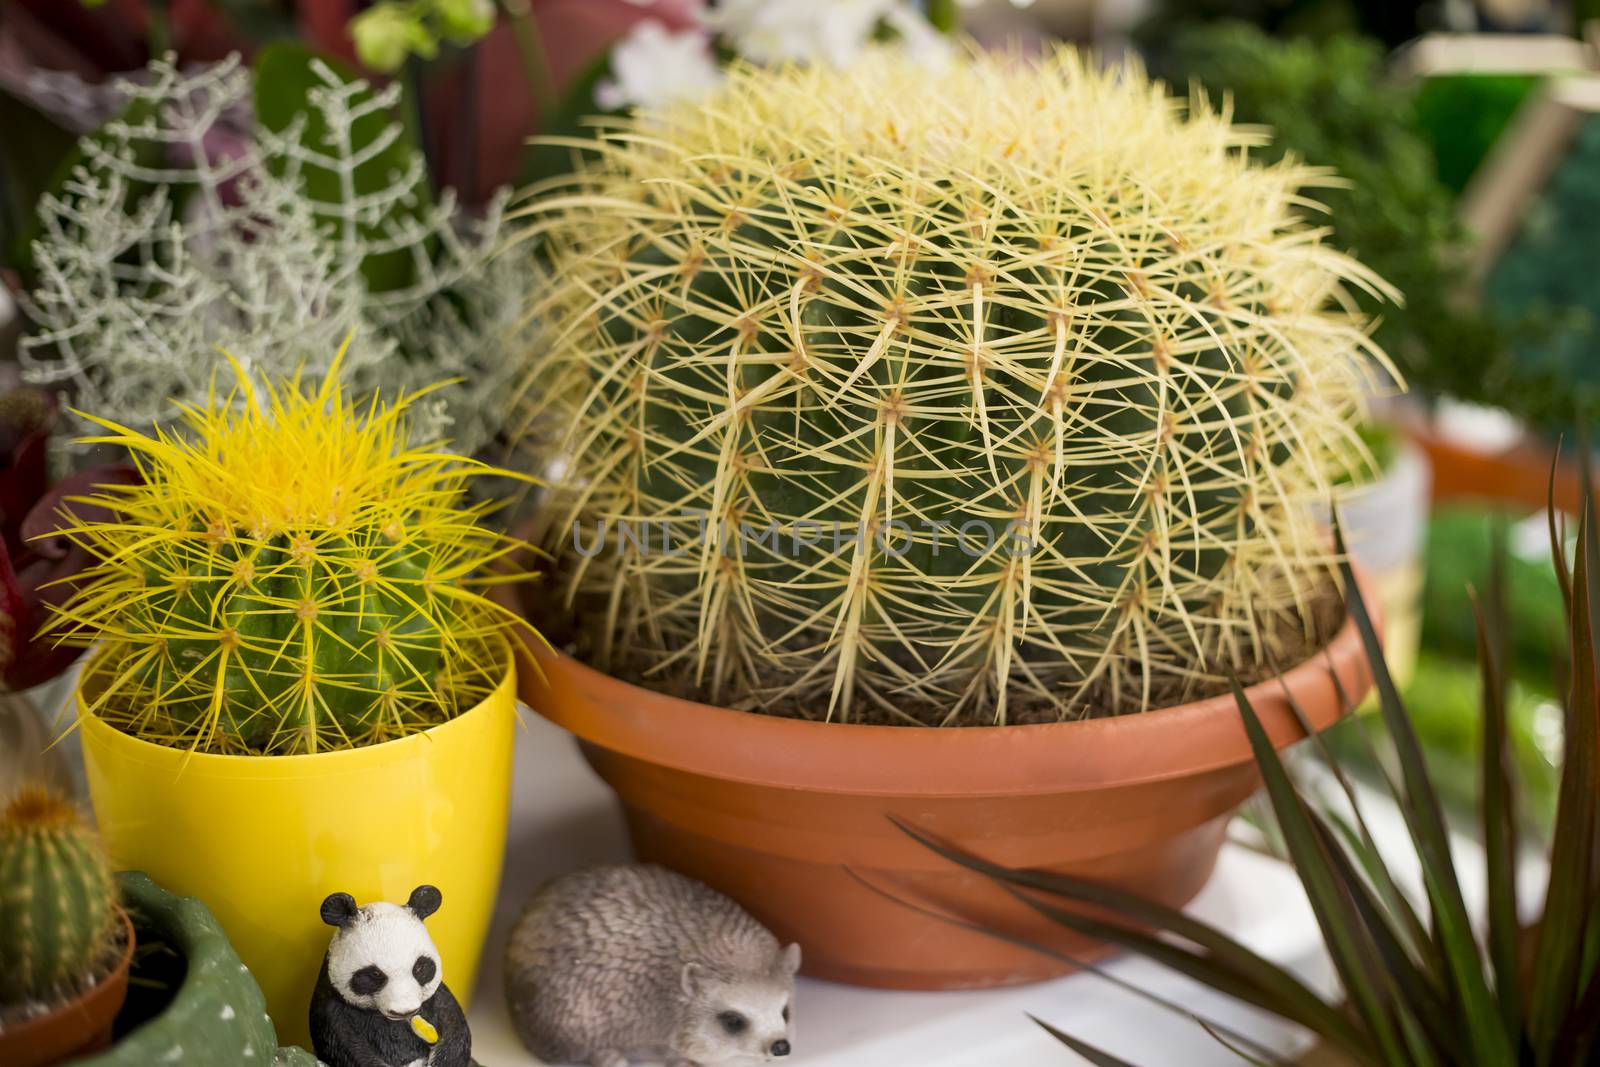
(57, 896)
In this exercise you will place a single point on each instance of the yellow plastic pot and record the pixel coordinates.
(261, 840)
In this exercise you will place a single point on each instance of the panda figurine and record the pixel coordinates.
(379, 1001)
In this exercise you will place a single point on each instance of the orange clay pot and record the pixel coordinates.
(78, 1027)
(1519, 476)
(791, 818)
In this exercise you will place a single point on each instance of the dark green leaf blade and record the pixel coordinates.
(1094, 1055)
(1498, 809)
(1561, 941)
(1070, 960)
(1299, 1002)
(1353, 955)
(1425, 820)
(376, 148)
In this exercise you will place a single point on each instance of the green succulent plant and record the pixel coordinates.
(290, 576)
(994, 391)
(1425, 980)
(57, 897)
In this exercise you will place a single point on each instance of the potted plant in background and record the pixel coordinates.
(936, 440)
(1420, 986)
(64, 941)
(298, 685)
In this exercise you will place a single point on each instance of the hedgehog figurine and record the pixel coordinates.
(379, 1000)
(616, 964)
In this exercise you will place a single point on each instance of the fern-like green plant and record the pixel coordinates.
(991, 392)
(290, 576)
(271, 213)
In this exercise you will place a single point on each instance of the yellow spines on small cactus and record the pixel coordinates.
(940, 392)
(293, 575)
(57, 898)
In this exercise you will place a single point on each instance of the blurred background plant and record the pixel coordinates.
(167, 238)
(1328, 104)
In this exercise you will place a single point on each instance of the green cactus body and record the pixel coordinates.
(997, 388)
(57, 899)
(305, 634)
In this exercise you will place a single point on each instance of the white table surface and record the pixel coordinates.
(563, 817)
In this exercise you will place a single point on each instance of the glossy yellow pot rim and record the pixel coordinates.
(300, 765)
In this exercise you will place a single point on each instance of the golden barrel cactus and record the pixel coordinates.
(992, 391)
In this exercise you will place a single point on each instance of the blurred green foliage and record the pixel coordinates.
(1548, 281)
(1463, 115)
(1327, 102)
(1460, 550)
(1392, 22)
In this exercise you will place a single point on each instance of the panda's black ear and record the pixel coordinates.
(338, 909)
(425, 900)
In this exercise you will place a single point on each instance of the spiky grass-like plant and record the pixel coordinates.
(291, 576)
(984, 391)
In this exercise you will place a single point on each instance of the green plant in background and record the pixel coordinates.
(1389, 22)
(1545, 281)
(1380, 446)
(57, 898)
(994, 391)
(1327, 103)
(291, 576)
(1417, 991)
(1463, 115)
(181, 228)
(1443, 701)
(1461, 541)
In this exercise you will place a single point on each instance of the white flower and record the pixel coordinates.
(653, 66)
(828, 31)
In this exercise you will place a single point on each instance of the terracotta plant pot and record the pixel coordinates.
(77, 1028)
(791, 818)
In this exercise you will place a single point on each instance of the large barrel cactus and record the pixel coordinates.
(985, 392)
(292, 575)
(58, 914)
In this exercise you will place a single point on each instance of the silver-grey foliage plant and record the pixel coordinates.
(183, 232)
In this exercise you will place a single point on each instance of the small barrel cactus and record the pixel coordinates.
(992, 391)
(292, 576)
(58, 916)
